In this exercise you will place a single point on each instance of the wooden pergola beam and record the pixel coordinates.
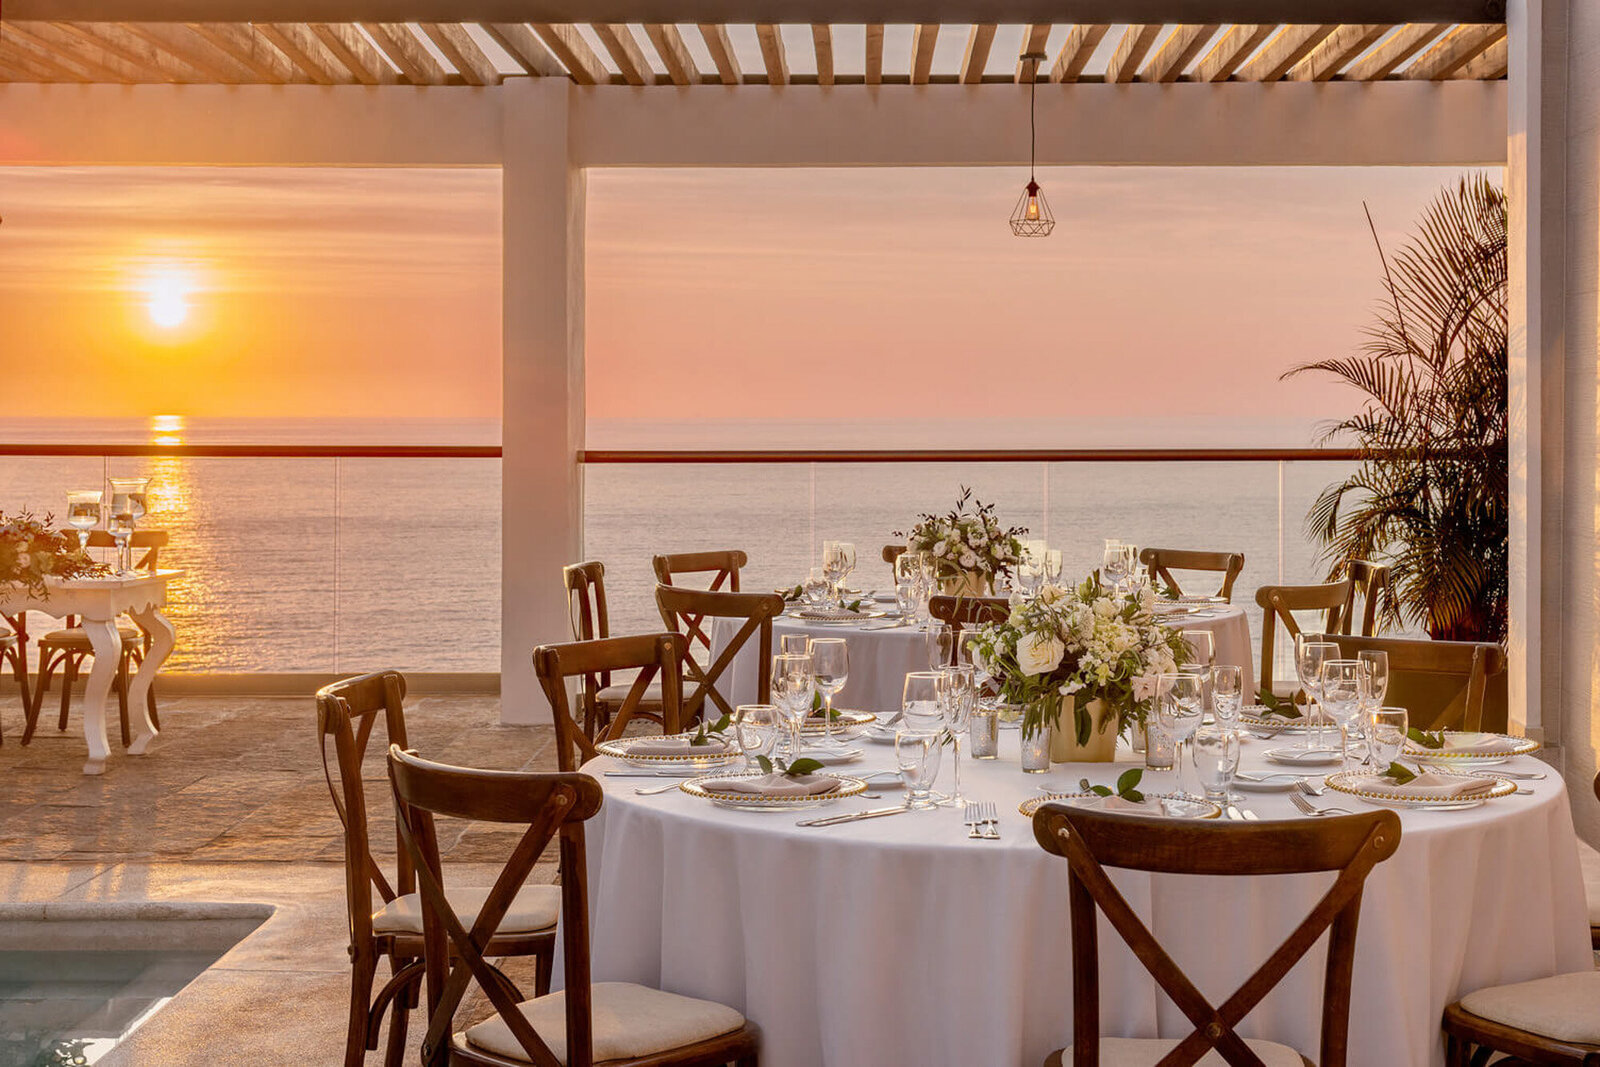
(1037, 39)
(1079, 46)
(1278, 57)
(1234, 47)
(17, 64)
(923, 39)
(619, 41)
(980, 39)
(1337, 52)
(822, 45)
(396, 41)
(1387, 57)
(772, 54)
(52, 53)
(1178, 51)
(1493, 65)
(681, 69)
(874, 53)
(1136, 43)
(250, 50)
(38, 61)
(1458, 48)
(715, 36)
(524, 46)
(135, 52)
(462, 52)
(183, 44)
(573, 51)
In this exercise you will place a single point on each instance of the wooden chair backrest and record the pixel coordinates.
(653, 655)
(892, 553)
(1163, 561)
(1370, 582)
(347, 712)
(586, 600)
(1091, 841)
(723, 566)
(152, 541)
(961, 611)
(1280, 602)
(552, 806)
(687, 611)
(1441, 684)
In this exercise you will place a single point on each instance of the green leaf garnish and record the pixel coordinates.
(791, 595)
(1125, 786)
(1399, 774)
(1426, 739)
(703, 735)
(1279, 706)
(801, 767)
(765, 764)
(1129, 779)
(1170, 591)
(851, 605)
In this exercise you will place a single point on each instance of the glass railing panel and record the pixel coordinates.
(418, 564)
(633, 511)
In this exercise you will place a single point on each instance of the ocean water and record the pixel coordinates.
(353, 564)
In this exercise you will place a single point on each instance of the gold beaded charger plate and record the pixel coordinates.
(1169, 806)
(618, 749)
(1472, 748)
(845, 723)
(1348, 783)
(727, 798)
(1255, 718)
(837, 616)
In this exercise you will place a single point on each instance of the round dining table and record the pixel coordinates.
(881, 652)
(900, 940)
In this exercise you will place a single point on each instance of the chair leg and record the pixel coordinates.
(543, 966)
(394, 1052)
(69, 675)
(355, 1042)
(122, 698)
(47, 668)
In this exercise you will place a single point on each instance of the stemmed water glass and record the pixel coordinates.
(834, 569)
(941, 642)
(919, 701)
(1181, 708)
(1202, 646)
(1227, 694)
(1052, 566)
(956, 695)
(1310, 653)
(83, 513)
(1374, 685)
(1216, 760)
(756, 727)
(1130, 566)
(128, 497)
(1386, 735)
(1341, 696)
(1114, 565)
(793, 687)
(830, 665)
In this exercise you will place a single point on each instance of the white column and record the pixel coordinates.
(542, 430)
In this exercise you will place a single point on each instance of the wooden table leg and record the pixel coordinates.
(107, 645)
(162, 638)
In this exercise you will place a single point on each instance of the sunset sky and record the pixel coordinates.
(267, 293)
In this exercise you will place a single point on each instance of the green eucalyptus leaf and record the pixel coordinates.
(1134, 795)
(802, 766)
(1399, 774)
(1100, 790)
(1425, 738)
(1128, 780)
(1080, 717)
(765, 764)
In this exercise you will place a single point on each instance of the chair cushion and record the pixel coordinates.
(1565, 1007)
(1589, 858)
(535, 907)
(76, 637)
(1147, 1052)
(629, 1021)
(616, 694)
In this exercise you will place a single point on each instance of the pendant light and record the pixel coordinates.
(1031, 217)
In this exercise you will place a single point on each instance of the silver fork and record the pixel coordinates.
(1308, 808)
(972, 820)
(1305, 785)
(991, 819)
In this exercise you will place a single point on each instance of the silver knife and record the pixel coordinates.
(870, 813)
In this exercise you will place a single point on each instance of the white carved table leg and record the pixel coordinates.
(107, 646)
(162, 638)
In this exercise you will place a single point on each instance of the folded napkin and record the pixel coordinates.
(1429, 785)
(677, 745)
(1121, 804)
(775, 785)
(1475, 742)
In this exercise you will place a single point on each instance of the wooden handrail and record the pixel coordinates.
(261, 451)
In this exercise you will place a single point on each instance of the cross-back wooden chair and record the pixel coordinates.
(963, 611)
(586, 609)
(1092, 841)
(1441, 684)
(655, 656)
(892, 553)
(1280, 602)
(615, 1023)
(723, 566)
(688, 611)
(390, 926)
(65, 649)
(1369, 582)
(1163, 561)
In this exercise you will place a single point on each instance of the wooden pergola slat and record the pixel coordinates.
(1231, 50)
(1493, 65)
(396, 41)
(923, 40)
(357, 55)
(181, 43)
(462, 52)
(980, 39)
(49, 52)
(715, 36)
(1076, 51)
(573, 51)
(300, 45)
(1037, 39)
(822, 45)
(36, 60)
(1454, 51)
(874, 67)
(619, 41)
(1135, 45)
(250, 50)
(1341, 48)
(133, 51)
(19, 65)
(1178, 51)
(681, 69)
(1278, 57)
(1388, 56)
(772, 55)
(524, 46)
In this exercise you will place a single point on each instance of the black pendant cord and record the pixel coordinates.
(1033, 126)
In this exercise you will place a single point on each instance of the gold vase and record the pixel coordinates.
(1064, 747)
(967, 583)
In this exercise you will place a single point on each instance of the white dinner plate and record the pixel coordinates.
(831, 757)
(1304, 757)
(1280, 782)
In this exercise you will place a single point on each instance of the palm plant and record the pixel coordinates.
(1430, 496)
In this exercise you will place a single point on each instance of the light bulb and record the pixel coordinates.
(1033, 208)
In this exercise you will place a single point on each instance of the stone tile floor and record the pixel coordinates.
(230, 804)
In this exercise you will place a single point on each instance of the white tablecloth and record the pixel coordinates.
(879, 659)
(900, 941)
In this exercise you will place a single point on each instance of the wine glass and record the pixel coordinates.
(1130, 567)
(1202, 646)
(847, 557)
(756, 727)
(1114, 565)
(815, 588)
(1181, 710)
(1227, 694)
(916, 755)
(1310, 653)
(956, 693)
(1374, 685)
(940, 639)
(83, 513)
(1029, 573)
(1386, 735)
(830, 664)
(1341, 696)
(793, 687)
(919, 701)
(1052, 566)
(833, 569)
(128, 497)
(794, 644)
(1216, 759)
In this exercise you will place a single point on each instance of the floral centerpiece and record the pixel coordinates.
(1086, 649)
(30, 552)
(968, 545)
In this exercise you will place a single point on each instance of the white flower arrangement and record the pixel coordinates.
(967, 540)
(1086, 643)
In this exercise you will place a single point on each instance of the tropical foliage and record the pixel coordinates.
(1430, 496)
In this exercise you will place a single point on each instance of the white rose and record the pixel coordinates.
(1039, 653)
(1105, 608)
(968, 560)
(1051, 594)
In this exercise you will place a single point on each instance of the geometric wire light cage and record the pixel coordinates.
(1031, 217)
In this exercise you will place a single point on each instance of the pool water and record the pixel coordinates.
(72, 1007)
